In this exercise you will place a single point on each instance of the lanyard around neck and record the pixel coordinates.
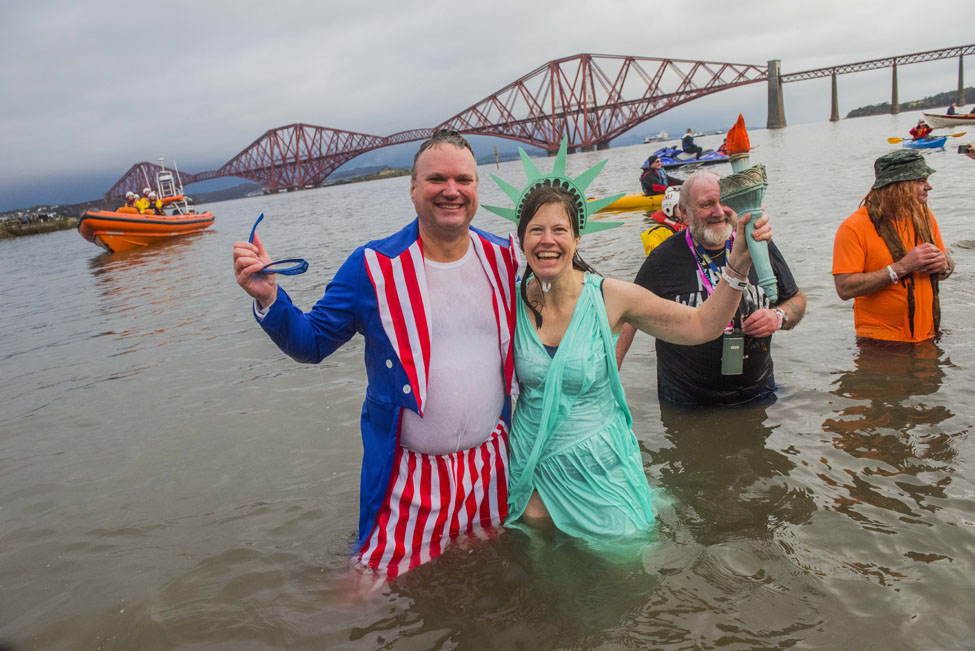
(703, 260)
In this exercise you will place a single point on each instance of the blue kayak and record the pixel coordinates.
(671, 157)
(926, 143)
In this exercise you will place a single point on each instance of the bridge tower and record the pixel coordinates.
(895, 105)
(960, 95)
(834, 112)
(776, 108)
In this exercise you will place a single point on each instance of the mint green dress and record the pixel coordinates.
(571, 438)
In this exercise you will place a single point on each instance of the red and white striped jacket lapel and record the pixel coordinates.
(501, 264)
(404, 308)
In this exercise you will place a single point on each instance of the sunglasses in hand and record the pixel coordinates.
(289, 267)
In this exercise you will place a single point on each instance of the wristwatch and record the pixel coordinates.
(782, 317)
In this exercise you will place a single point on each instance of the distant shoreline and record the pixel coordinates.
(939, 101)
(13, 229)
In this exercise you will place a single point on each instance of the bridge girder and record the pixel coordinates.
(588, 98)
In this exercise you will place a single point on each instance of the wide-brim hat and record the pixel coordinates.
(902, 165)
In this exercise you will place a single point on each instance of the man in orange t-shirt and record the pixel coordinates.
(889, 256)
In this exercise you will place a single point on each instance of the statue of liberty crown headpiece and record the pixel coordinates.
(576, 187)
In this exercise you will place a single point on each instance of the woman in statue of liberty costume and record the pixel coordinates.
(574, 461)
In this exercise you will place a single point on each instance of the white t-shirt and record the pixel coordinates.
(465, 390)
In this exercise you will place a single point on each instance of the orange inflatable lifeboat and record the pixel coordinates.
(125, 228)
(118, 231)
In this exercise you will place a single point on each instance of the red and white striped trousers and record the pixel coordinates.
(433, 498)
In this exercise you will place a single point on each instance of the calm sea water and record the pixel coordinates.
(169, 479)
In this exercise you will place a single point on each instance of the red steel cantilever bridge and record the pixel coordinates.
(589, 98)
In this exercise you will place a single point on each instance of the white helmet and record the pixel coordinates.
(146, 190)
(152, 195)
(130, 194)
(669, 202)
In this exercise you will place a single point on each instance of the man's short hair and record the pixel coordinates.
(688, 186)
(442, 137)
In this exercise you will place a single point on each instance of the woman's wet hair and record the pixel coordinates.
(536, 198)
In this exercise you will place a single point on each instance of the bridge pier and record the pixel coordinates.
(587, 148)
(834, 110)
(776, 108)
(960, 95)
(602, 145)
(895, 105)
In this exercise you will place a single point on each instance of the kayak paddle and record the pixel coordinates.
(894, 141)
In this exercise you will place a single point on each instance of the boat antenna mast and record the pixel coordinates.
(178, 179)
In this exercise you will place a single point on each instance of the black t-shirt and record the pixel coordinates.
(691, 375)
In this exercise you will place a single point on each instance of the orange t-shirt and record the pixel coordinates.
(883, 315)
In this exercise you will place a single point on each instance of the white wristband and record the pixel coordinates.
(735, 283)
(892, 274)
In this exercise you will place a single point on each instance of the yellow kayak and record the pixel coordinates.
(634, 202)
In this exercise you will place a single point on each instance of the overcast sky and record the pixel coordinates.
(91, 87)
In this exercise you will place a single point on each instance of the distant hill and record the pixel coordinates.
(939, 101)
(377, 173)
(236, 192)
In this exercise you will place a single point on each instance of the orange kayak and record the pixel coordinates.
(117, 231)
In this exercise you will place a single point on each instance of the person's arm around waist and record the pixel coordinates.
(627, 332)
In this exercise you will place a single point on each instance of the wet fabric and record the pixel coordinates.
(380, 292)
(571, 437)
(433, 499)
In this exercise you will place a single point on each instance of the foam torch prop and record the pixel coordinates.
(743, 192)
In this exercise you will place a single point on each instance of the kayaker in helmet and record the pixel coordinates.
(655, 179)
(666, 221)
(921, 131)
(669, 208)
(668, 215)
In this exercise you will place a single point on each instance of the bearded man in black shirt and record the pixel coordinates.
(685, 268)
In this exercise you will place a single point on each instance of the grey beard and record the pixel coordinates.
(707, 236)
